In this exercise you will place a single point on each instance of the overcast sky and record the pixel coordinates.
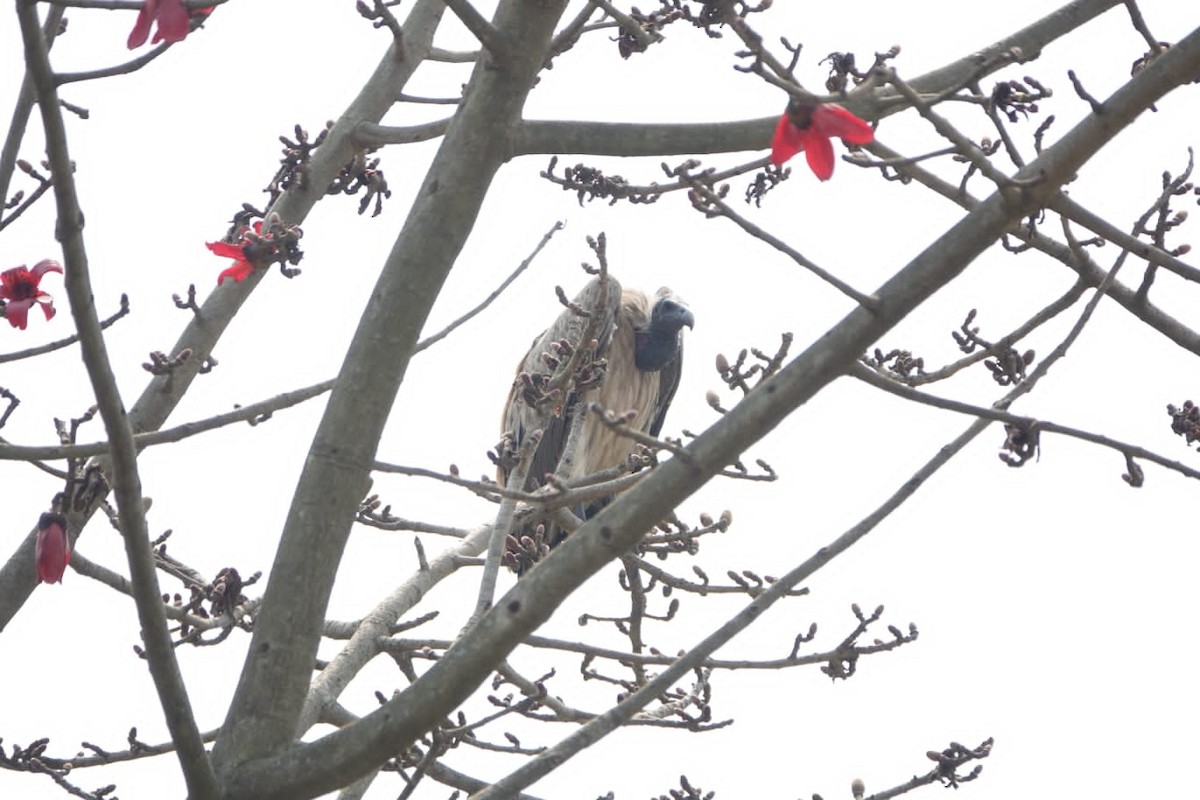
(1053, 601)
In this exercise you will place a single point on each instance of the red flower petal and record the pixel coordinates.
(17, 312)
(243, 266)
(238, 272)
(141, 28)
(833, 120)
(819, 152)
(53, 550)
(787, 141)
(173, 18)
(174, 22)
(44, 266)
(227, 250)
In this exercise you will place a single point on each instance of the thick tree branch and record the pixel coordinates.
(534, 598)
(663, 139)
(266, 707)
(496, 42)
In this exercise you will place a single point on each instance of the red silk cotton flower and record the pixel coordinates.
(174, 22)
(809, 127)
(53, 549)
(243, 266)
(19, 289)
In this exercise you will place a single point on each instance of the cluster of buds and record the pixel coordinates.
(362, 174)
(1008, 368)
(293, 167)
(522, 552)
(162, 364)
(1022, 441)
(1013, 98)
(647, 33)
(1185, 421)
(590, 183)
(899, 362)
(955, 756)
(842, 68)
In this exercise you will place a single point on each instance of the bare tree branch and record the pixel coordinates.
(124, 479)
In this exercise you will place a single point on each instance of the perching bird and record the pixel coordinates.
(640, 339)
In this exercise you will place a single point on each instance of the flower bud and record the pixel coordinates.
(53, 549)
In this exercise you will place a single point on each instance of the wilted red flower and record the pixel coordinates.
(809, 127)
(19, 289)
(174, 22)
(243, 266)
(53, 548)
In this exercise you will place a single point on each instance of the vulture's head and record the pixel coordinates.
(657, 338)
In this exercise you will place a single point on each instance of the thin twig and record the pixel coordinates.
(442, 334)
(711, 198)
(870, 376)
(1052, 310)
(966, 147)
(1139, 24)
(68, 341)
(23, 109)
(132, 65)
(500, 529)
(12, 452)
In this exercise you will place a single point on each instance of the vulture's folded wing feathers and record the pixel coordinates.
(639, 339)
(519, 418)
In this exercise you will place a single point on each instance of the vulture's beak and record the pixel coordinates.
(673, 315)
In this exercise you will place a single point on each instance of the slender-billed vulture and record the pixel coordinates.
(639, 342)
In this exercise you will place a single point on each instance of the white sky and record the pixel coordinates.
(1053, 601)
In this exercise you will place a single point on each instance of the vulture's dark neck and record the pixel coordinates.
(656, 349)
(657, 345)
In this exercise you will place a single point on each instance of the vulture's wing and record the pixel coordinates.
(668, 379)
(602, 298)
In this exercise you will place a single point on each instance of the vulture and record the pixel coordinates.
(639, 341)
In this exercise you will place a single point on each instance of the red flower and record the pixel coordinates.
(19, 288)
(174, 22)
(809, 127)
(243, 266)
(53, 548)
